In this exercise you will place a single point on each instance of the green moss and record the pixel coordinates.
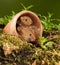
(27, 52)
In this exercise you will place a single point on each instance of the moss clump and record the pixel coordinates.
(27, 54)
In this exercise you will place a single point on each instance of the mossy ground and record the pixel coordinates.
(29, 53)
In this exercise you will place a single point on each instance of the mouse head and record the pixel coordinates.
(27, 34)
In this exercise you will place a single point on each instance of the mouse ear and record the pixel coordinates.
(10, 28)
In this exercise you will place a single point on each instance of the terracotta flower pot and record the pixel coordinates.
(10, 28)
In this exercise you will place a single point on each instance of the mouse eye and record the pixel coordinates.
(30, 34)
(25, 19)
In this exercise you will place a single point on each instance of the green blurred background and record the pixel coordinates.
(40, 6)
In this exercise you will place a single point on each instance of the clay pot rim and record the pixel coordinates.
(24, 12)
(15, 18)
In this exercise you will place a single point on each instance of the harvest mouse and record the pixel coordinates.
(26, 20)
(26, 34)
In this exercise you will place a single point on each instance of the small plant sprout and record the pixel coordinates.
(6, 19)
(49, 23)
(44, 43)
(26, 8)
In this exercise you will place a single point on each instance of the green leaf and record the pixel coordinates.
(26, 8)
(23, 6)
(49, 44)
(42, 39)
(29, 7)
(58, 27)
(6, 19)
(49, 23)
(50, 15)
